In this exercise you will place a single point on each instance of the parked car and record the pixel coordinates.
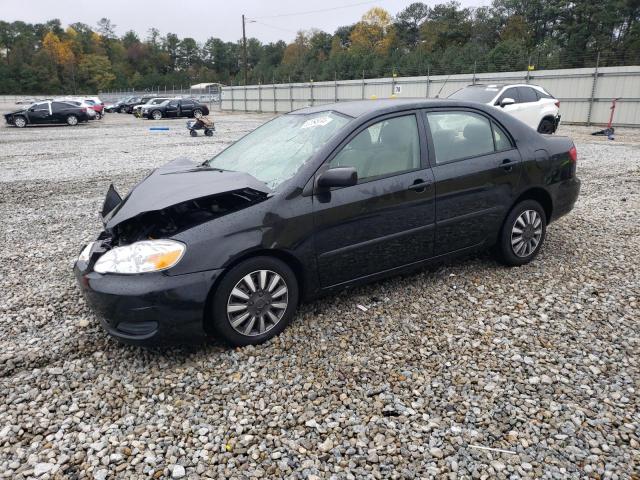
(48, 112)
(115, 106)
(530, 104)
(137, 110)
(128, 105)
(314, 201)
(91, 113)
(179, 107)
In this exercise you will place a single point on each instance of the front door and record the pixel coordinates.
(40, 113)
(172, 109)
(387, 219)
(477, 171)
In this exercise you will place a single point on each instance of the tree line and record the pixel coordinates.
(443, 39)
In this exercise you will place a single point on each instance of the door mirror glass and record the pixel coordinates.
(507, 101)
(338, 177)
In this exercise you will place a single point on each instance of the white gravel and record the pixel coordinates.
(466, 370)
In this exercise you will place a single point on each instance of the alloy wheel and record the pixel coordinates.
(156, 115)
(526, 233)
(72, 120)
(197, 113)
(20, 122)
(257, 302)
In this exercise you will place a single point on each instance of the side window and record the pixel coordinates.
(187, 103)
(509, 93)
(173, 103)
(385, 148)
(501, 138)
(542, 94)
(57, 107)
(40, 107)
(527, 94)
(458, 135)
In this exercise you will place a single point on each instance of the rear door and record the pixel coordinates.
(387, 219)
(530, 107)
(186, 108)
(477, 171)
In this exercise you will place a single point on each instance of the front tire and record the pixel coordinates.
(20, 122)
(156, 114)
(123, 110)
(255, 301)
(193, 133)
(522, 234)
(72, 120)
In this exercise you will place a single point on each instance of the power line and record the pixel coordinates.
(273, 26)
(320, 10)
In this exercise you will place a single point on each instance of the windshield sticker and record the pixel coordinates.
(317, 122)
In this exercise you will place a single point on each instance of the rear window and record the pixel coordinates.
(475, 94)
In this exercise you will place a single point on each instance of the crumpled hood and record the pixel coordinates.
(22, 110)
(176, 182)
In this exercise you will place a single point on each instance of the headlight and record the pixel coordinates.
(140, 257)
(84, 254)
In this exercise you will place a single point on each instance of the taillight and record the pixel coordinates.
(557, 102)
(573, 154)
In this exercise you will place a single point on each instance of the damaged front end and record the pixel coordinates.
(174, 219)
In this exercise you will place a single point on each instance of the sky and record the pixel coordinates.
(273, 19)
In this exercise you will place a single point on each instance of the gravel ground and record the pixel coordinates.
(541, 362)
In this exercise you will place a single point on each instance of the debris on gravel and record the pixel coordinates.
(464, 370)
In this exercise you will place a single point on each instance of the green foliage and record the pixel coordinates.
(440, 39)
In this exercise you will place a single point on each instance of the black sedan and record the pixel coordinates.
(314, 201)
(48, 112)
(177, 107)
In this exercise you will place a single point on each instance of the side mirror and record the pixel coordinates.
(338, 177)
(507, 101)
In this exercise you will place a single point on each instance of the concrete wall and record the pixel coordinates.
(585, 94)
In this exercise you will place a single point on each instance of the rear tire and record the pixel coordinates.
(522, 234)
(208, 133)
(72, 120)
(269, 306)
(20, 122)
(546, 126)
(98, 116)
(197, 113)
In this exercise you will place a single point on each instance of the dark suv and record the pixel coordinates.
(182, 107)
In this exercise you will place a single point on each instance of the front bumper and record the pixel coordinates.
(149, 308)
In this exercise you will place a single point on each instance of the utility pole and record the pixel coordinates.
(244, 50)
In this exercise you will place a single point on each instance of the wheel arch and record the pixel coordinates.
(541, 196)
(547, 116)
(289, 259)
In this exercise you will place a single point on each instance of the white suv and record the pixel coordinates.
(530, 104)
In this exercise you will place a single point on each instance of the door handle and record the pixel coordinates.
(419, 185)
(507, 164)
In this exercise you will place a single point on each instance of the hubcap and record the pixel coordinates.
(156, 115)
(257, 302)
(526, 233)
(20, 122)
(72, 120)
(197, 114)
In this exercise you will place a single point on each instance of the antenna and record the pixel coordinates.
(445, 82)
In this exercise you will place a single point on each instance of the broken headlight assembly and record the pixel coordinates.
(141, 257)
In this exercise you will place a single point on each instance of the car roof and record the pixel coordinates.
(358, 108)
